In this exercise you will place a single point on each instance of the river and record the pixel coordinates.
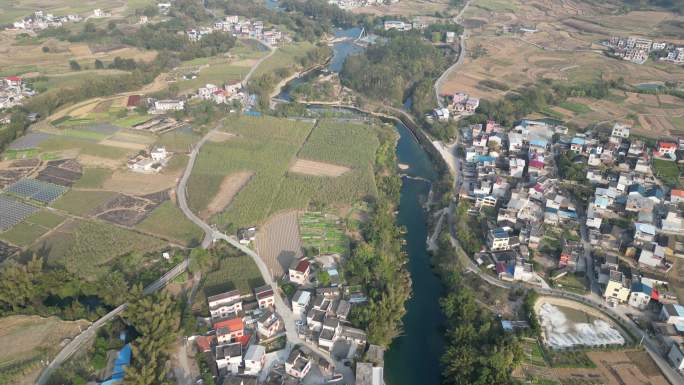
(414, 357)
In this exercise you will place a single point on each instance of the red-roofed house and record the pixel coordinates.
(13, 81)
(299, 271)
(676, 196)
(229, 330)
(133, 101)
(204, 343)
(666, 150)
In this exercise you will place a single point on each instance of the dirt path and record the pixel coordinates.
(230, 187)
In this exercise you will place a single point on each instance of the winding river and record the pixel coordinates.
(414, 357)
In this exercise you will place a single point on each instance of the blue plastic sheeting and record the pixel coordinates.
(122, 361)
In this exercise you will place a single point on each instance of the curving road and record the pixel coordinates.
(459, 61)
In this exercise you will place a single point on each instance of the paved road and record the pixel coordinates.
(80, 340)
(459, 61)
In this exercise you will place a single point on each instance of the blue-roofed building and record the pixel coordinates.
(485, 159)
(640, 295)
(539, 143)
(577, 145)
(123, 360)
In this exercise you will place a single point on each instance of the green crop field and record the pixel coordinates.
(577, 108)
(265, 146)
(278, 142)
(62, 143)
(177, 141)
(82, 202)
(323, 233)
(85, 247)
(234, 273)
(26, 232)
(168, 221)
(93, 177)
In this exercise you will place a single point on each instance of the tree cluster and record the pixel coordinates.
(477, 349)
(377, 263)
(156, 319)
(403, 67)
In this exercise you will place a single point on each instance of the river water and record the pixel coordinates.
(414, 357)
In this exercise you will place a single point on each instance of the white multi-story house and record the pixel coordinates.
(300, 303)
(254, 360)
(225, 304)
(229, 357)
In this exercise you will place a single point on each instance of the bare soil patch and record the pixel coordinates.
(622, 368)
(96, 161)
(103, 106)
(310, 167)
(278, 242)
(230, 186)
(130, 210)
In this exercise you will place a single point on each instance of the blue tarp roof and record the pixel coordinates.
(485, 158)
(579, 141)
(538, 142)
(123, 359)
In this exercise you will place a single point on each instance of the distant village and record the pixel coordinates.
(350, 4)
(459, 104)
(13, 91)
(638, 50)
(239, 27)
(632, 223)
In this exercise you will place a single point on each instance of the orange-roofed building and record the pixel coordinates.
(677, 196)
(229, 330)
(204, 343)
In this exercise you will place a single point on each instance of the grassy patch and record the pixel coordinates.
(26, 232)
(285, 57)
(131, 120)
(168, 221)
(667, 171)
(323, 233)
(85, 247)
(82, 202)
(93, 177)
(62, 143)
(177, 141)
(533, 352)
(572, 282)
(577, 108)
(234, 273)
(216, 74)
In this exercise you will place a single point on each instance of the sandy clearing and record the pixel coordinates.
(310, 167)
(122, 144)
(220, 136)
(129, 182)
(230, 186)
(278, 242)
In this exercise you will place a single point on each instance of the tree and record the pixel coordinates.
(201, 260)
(73, 64)
(98, 64)
(156, 318)
(323, 278)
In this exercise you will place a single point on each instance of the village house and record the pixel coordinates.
(641, 294)
(162, 106)
(297, 364)
(246, 235)
(229, 330)
(299, 271)
(225, 304)
(300, 303)
(268, 324)
(264, 296)
(229, 358)
(255, 358)
(617, 288)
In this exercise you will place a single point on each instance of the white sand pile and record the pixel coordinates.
(561, 332)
